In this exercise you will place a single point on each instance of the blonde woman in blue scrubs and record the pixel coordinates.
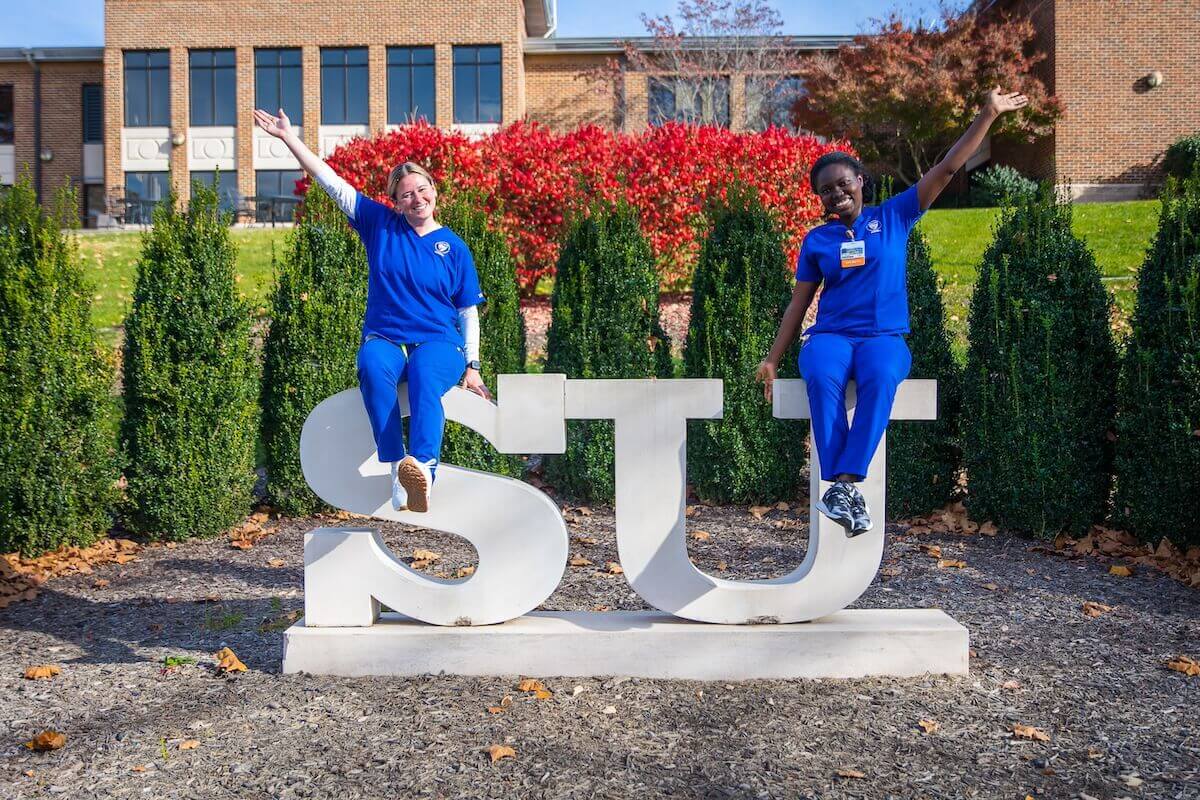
(859, 256)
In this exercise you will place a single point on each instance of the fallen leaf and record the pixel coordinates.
(421, 554)
(584, 510)
(759, 511)
(613, 568)
(929, 725)
(579, 561)
(889, 572)
(689, 511)
(701, 536)
(138, 768)
(1011, 685)
(1029, 732)
(420, 563)
(100, 583)
(933, 550)
(227, 661)
(499, 751)
(276, 562)
(1120, 570)
(610, 710)
(600, 608)
(463, 572)
(1185, 664)
(782, 506)
(1092, 609)
(951, 562)
(1132, 780)
(239, 544)
(722, 566)
(585, 540)
(504, 704)
(850, 773)
(991, 587)
(988, 529)
(189, 744)
(47, 740)
(42, 671)
(542, 694)
(530, 685)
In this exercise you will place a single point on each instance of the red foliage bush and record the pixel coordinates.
(534, 179)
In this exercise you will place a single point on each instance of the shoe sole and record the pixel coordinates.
(413, 481)
(846, 524)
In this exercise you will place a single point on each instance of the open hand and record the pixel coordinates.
(473, 382)
(1002, 102)
(278, 126)
(765, 374)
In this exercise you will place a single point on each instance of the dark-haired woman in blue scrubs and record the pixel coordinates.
(858, 256)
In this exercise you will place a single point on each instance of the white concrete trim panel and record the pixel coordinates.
(212, 148)
(145, 149)
(331, 137)
(271, 153)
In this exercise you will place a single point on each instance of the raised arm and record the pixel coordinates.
(938, 177)
(789, 326)
(281, 128)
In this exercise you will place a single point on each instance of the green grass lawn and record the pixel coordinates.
(1118, 234)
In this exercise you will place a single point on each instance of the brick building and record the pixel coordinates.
(168, 98)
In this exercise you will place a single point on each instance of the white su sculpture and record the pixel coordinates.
(519, 533)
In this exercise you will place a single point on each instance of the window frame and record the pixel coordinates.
(213, 74)
(11, 137)
(409, 71)
(346, 67)
(280, 84)
(458, 61)
(155, 117)
(654, 115)
(83, 112)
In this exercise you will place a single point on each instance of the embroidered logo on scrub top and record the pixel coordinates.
(874, 226)
(441, 248)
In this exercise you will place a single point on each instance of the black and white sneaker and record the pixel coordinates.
(837, 504)
(860, 512)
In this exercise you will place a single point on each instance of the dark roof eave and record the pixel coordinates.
(604, 44)
(9, 54)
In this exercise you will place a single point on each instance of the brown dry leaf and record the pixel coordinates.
(929, 725)
(689, 511)
(1185, 664)
(542, 694)
(1011, 685)
(189, 744)
(240, 544)
(600, 608)
(504, 704)
(421, 554)
(499, 751)
(530, 685)
(1092, 609)
(138, 768)
(991, 587)
(950, 562)
(988, 529)
(889, 572)
(100, 583)
(42, 672)
(584, 510)
(782, 506)
(1029, 732)
(420, 563)
(276, 562)
(701, 536)
(759, 511)
(587, 541)
(1120, 570)
(845, 772)
(579, 561)
(932, 550)
(47, 740)
(613, 568)
(463, 572)
(227, 661)
(722, 566)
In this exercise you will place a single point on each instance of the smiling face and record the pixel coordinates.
(840, 190)
(416, 199)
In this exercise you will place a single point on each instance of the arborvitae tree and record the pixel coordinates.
(58, 467)
(1158, 425)
(501, 327)
(604, 324)
(190, 378)
(924, 457)
(1040, 383)
(740, 289)
(316, 325)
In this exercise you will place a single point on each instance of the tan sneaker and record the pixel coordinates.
(416, 479)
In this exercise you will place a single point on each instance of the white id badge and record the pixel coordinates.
(854, 254)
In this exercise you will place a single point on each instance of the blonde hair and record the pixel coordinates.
(404, 170)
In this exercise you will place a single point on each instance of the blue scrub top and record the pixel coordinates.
(415, 284)
(867, 300)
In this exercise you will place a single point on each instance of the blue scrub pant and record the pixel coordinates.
(877, 364)
(430, 369)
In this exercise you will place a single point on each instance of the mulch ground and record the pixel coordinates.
(1117, 722)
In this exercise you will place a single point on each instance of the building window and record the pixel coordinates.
(699, 101)
(477, 96)
(6, 115)
(227, 195)
(410, 85)
(143, 191)
(93, 113)
(344, 86)
(213, 87)
(275, 194)
(147, 88)
(769, 102)
(279, 82)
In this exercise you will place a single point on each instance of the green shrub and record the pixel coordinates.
(740, 289)
(1183, 157)
(604, 324)
(190, 378)
(58, 467)
(501, 327)
(1158, 444)
(317, 311)
(1000, 185)
(1040, 380)
(924, 457)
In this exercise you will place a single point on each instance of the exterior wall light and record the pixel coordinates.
(46, 155)
(178, 139)
(1154, 79)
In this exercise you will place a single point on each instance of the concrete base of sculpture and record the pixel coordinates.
(848, 644)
